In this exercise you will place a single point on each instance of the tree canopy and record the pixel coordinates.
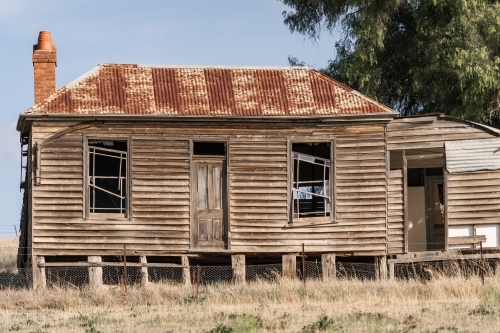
(416, 56)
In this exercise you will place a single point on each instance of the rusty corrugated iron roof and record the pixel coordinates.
(206, 91)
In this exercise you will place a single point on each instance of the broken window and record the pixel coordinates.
(311, 180)
(107, 183)
(209, 148)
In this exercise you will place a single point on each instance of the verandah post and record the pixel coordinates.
(95, 272)
(186, 274)
(39, 278)
(289, 266)
(238, 265)
(381, 268)
(144, 271)
(328, 266)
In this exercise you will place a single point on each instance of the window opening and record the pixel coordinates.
(311, 180)
(107, 176)
(209, 148)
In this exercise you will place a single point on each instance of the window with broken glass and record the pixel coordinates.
(107, 177)
(311, 181)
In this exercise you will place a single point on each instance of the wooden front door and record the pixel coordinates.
(208, 225)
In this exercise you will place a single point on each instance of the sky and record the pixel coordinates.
(154, 32)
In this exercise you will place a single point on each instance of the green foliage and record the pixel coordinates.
(490, 302)
(452, 329)
(221, 329)
(238, 323)
(89, 324)
(482, 310)
(417, 56)
(245, 323)
(280, 323)
(194, 300)
(293, 61)
(491, 296)
(322, 324)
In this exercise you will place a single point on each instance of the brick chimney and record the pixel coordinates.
(44, 65)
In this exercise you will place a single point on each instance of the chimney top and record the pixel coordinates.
(44, 65)
(45, 41)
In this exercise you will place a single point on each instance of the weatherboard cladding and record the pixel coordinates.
(206, 91)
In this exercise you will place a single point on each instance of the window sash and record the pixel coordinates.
(121, 180)
(296, 191)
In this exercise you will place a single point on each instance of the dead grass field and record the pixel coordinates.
(441, 305)
(8, 253)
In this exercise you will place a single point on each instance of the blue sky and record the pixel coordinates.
(187, 32)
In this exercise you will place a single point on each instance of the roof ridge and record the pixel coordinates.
(207, 66)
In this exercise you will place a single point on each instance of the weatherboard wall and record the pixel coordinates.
(259, 190)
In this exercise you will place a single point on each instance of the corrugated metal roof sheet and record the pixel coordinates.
(206, 91)
(472, 155)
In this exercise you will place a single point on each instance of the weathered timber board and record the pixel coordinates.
(258, 178)
(395, 211)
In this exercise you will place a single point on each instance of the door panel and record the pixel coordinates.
(202, 188)
(208, 219)
(202, 230)
(216, 187)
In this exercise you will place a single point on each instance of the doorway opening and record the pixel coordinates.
(425, 197)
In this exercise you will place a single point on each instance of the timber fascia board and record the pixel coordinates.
(320, 121)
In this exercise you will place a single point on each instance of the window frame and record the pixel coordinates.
(332, 191)
(87, 215)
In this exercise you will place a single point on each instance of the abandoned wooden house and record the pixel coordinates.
(243, 164)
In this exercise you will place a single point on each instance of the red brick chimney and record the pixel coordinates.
(44, 64)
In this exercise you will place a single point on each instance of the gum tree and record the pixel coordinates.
(417, 56)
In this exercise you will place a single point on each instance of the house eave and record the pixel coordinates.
(329, 120)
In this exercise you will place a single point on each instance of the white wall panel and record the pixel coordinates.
(460, 231)
(491, 231)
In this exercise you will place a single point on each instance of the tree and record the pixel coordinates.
(416, 56)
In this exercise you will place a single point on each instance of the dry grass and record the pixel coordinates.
(8, 253)
(441, 305)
